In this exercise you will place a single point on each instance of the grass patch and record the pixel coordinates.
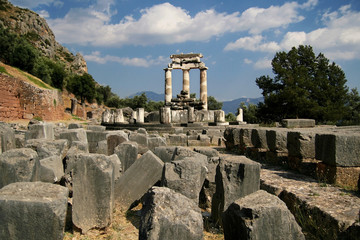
(38, 82)
(3, 70)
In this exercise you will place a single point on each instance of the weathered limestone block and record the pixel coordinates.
(142, 141)
(115, 138)
(116, 165)
(260, 215)
(236, 176)
(177, 139)
(219, 116)
(169, 215)
(74, 126)
(191, 115)
(19, 141)
(185, 176)
(142, 131)
(165, 153)
(127, 153)
(19, 165)
(232, 138)
(156, 141)
(277, 140)
(301, 144)
(179, 116)
(47, 148)
(204, 116)
(341, 176)
(74, 135)
(298, 123)
(40, 131)
(7, 138)
(93, 138)
(93, 192)
(51, 169)
(142, 175)
(258, 138)
(338, 149)
(245, 138)
(102, 147)
(96, 128)
(118, 116)
(140, 115)
(33, 210)
(107, 117)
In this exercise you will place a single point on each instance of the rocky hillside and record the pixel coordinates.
(28, 23)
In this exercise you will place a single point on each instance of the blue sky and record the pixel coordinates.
(127, 43)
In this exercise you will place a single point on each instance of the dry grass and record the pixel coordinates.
(125, 226)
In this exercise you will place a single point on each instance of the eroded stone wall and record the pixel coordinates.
(22, 100)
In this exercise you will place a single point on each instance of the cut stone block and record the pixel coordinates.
(93, 138)
(260, 215)
(7, 138)
(169, 215)
(96, 128)
(102, 147)
(156, 141)
(93, 192)
(74, 126)
(301, 144)
(40, 131)
(277, 140)
(117, 166)
(51, 169)
(338, 149)
(258, 138)
(74, 135)
(236, 176)
(341, 176)
(19, 165)
(127, 153)
(141, 176)
(165, 153)
(298, 123)
(185, 176)
(177, 140)
(114, 139)
(142, 141)
(33, 210)
(47, 148)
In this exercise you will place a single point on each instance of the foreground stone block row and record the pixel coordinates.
(324, 153)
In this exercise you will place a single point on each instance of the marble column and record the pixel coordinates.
(186, 82)
(203, 87)
(168, 85)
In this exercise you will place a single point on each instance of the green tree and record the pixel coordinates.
(103, 94)
(250, 113)
(304, 86)
(213, 104)
(230, 117)
(83, 87)
(353, 104)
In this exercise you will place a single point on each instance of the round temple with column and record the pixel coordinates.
(186, 62)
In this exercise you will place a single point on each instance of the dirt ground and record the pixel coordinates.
(124, 226)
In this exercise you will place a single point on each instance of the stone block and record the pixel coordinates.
(7, 138)
(179, 116)
(118, 116)
(33, 210)
(338, 149)
(245, 137)
(19, 165)
(236, 176)
(177, 140)
(140, 115)
(258, 138)
(40, 131)
(219, 116)
(51, 169)
(127, 152)
(141, 176)
(156, 141)
(185, 176)
(298, 123)
(165, 115)
(93, 137)
(114, 139)
(207, 151)
(169, 215)
(260, 215)
(341, 176)
(93, 192)
(96, 128)
(74, 135)
(118, 171)
(102, 147)
(47, 148)
(74, 126)
(301, 144)
(165, 153)
(142, 141)
(277, 140)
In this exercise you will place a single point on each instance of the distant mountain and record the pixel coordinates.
(232, 106)
(156, 97)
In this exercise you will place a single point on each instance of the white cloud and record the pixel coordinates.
(126, 61)
(248, 61)
(263, 63)
(166, 24)
(44, 13)
(253, 43)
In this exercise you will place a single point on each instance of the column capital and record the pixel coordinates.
(204, 68)
(168, 69)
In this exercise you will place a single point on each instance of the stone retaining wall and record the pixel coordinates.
(22, 100)
(329, 154)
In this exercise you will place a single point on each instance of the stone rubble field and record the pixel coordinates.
(61, 181)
